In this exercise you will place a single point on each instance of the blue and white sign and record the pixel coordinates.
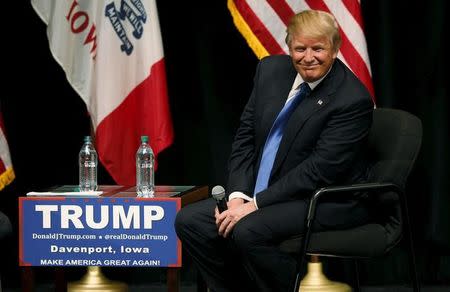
(99, 232)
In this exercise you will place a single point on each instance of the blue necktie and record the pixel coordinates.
(274, 138)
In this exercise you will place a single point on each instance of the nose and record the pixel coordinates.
(309, 55)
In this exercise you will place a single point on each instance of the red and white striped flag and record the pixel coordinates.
(6, 168)
(263, 24)
(111, 51)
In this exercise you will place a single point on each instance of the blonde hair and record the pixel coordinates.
(314, 24)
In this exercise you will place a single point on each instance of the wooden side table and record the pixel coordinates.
(188, 195)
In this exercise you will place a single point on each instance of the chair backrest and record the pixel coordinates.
(394, 143)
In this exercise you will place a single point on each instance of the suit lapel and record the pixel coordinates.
(318, 99)
(277, 99)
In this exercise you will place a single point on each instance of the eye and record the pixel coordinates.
(299, 50)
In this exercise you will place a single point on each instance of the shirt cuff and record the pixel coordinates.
(241, 195)
(254, 202)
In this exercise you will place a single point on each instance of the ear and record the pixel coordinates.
(335, 54)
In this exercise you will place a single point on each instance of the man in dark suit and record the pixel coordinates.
(304, 127)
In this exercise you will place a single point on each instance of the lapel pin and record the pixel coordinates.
(319, 102)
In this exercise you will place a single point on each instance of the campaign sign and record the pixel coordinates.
(132, 232)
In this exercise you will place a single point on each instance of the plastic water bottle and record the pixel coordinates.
(145, 171)
(87, 162)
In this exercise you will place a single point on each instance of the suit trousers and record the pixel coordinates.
(250, 255)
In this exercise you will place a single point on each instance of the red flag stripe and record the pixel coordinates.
(356, 63)
(355, 10)
(350, 27)
(258, 28)
(283, 10)
(351, 55)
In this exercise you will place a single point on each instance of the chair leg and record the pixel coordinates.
(302, 256)
(357, 283)
(308, 230)
(412, 257)
(412, 262)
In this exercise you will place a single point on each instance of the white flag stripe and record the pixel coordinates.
(350, 27)
(270, 18)
(297, 6)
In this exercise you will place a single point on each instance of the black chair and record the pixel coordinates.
(394, 142)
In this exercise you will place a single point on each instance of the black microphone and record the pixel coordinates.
(218, 193)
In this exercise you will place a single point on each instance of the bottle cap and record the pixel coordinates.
(144, 139)
(87, 139)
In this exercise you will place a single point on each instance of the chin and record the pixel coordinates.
(309, 78)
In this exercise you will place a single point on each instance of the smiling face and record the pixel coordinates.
(312, 56)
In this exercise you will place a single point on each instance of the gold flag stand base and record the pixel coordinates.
(94, 280)
(315, 280)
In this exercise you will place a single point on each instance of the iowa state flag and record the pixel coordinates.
(6, 169)
(111, 52)
(263, 24)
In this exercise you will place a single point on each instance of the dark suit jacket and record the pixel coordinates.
(323, 142)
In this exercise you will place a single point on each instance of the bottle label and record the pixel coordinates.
(89, 164)
(146, 165)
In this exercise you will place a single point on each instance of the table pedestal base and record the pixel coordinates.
(94, 280)
(315, 281)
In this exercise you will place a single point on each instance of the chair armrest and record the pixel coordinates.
(352, 188)
(370, 187)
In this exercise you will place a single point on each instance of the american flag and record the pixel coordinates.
(263, 24)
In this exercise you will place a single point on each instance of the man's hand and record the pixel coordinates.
(237, 209)
(235, 203)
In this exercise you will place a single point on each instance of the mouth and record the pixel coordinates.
(309, 67)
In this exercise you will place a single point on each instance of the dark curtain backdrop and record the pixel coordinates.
(210, 70)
